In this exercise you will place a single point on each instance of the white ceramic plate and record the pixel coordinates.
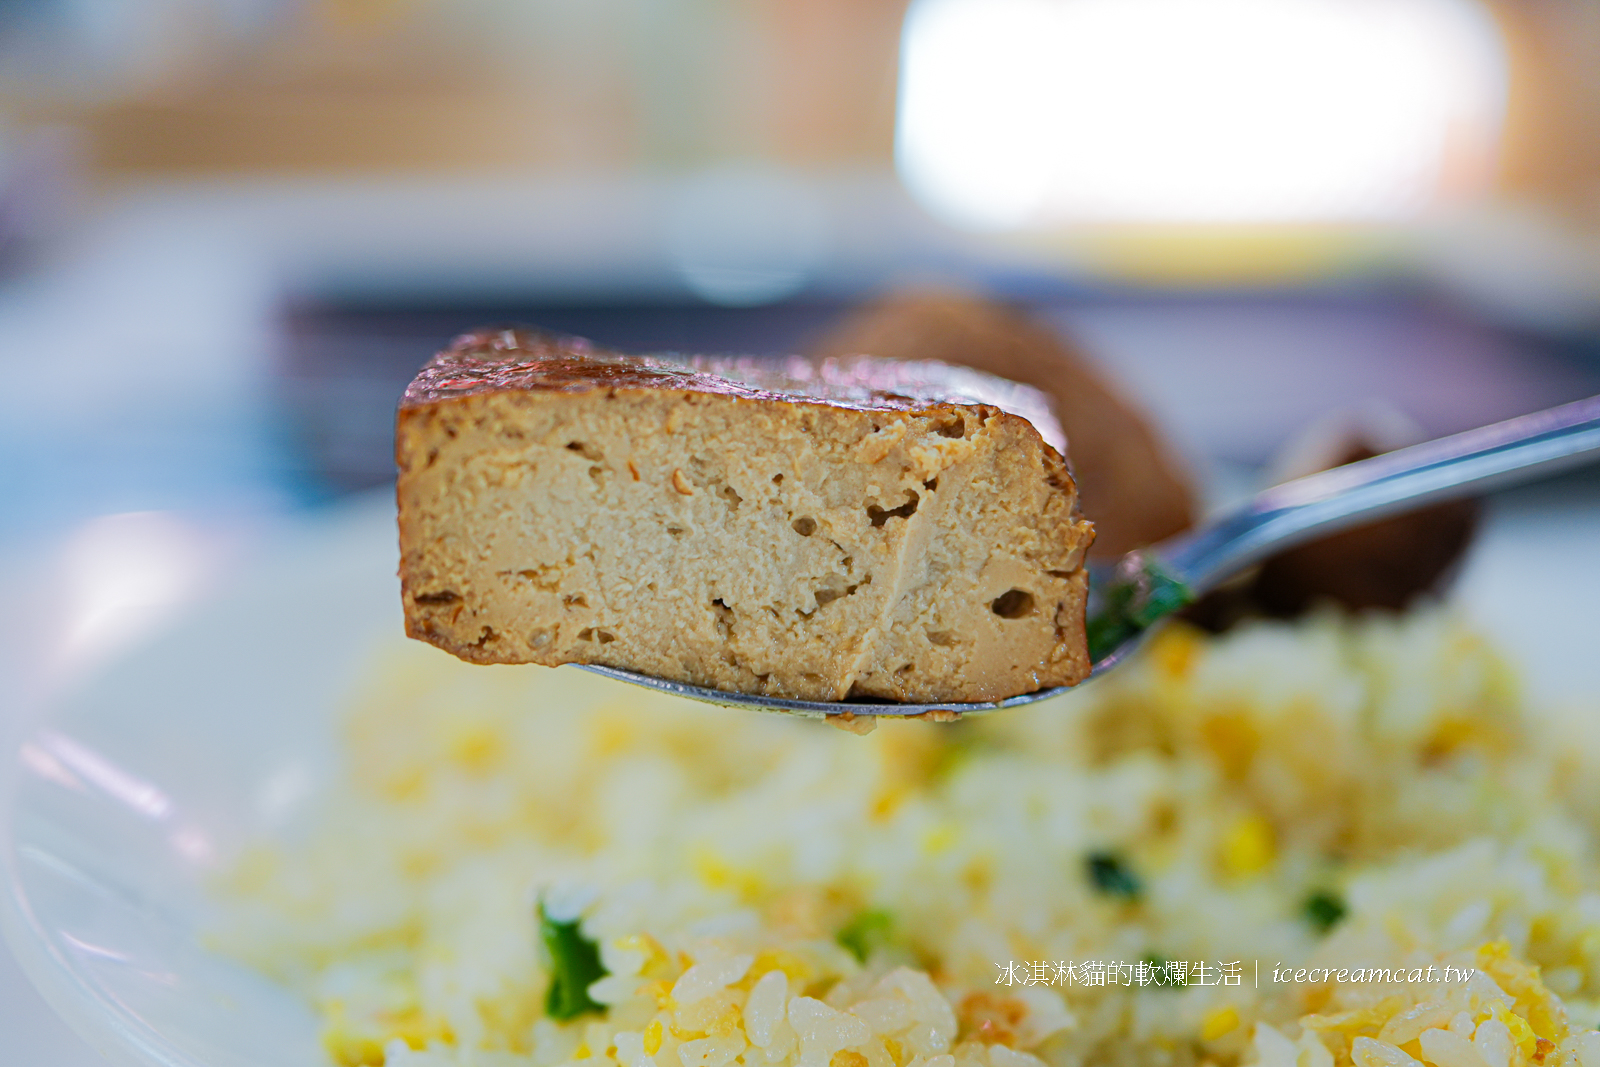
(138, 785)
(134, 788)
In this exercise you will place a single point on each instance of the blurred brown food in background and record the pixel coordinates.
(1384, 565)
(1131, 488)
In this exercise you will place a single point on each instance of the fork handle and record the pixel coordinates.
(1517, 450)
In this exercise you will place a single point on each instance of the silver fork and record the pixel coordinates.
(1129, 599)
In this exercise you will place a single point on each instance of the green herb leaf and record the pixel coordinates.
(574, 966)
(1110, 875)
(866, 933)
(1324, 909)
(1140, 593)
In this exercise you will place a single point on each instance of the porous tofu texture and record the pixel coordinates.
(797, 549)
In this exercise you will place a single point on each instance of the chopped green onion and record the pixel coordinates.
(866, 933)
(1138, 595)
(574, 966)
(1110, 875)
(1324, 909)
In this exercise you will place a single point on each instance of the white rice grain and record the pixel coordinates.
(823, 1031)
(708, 976)
(1586, 1048)
(1001, 1056)
(1273, 1049)
(1367, 1052)
(763, 1009)
(883, 1015)
(1493, 1042)
(630, 1049)
(1445, 1048)
(1412, 1021)
(1311, 1052)
(928, 1006)
(711, 1051)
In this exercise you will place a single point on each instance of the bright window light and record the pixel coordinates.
(1021, 113)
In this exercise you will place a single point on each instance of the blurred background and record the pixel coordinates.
(231, 230)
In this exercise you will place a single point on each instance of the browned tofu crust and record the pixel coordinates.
(826, 531)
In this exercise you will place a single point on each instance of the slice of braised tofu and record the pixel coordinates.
(823, 532)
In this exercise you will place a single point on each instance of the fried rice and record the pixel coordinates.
(1262, 848)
